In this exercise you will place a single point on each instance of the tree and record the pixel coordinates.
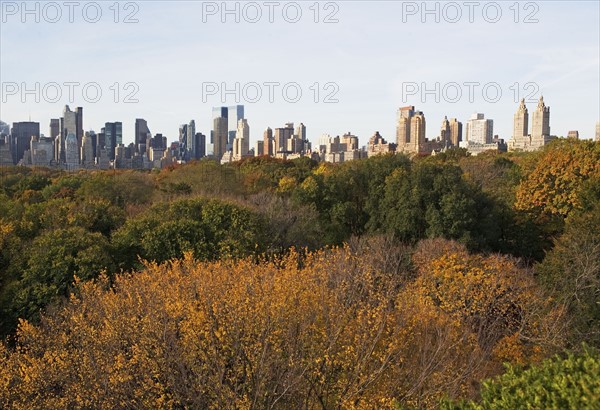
(52, 262)
(323, 330)
(513, 320)
(208, 228)
(430, 200)
(288, 224)
(552, 189)
(571, 270)
(563, 382)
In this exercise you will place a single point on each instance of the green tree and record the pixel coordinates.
(571, 270)
(209, 228)
(52, 261)
(569, 382)
(432, 200)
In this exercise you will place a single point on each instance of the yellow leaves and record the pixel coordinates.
(6, 229)
(323, 169)
(552, 188)
(510, 349)
(286, 184)
(295, 332)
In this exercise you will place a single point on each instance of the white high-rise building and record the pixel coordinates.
(480, 136)
(479, 129)
(241, 143)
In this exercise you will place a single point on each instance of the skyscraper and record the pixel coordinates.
(234, 115)
(200, 142)
(20, 138)
(281, 136)
(87, 149)
(220, 112)
(241, 143)
(79, 125)
(521, 122)
(455, 132)
(191, 140)
(259, 148)
(4, 129)
(113, 136)
(183, 150)
(403, 126)
(70, 123)
(540, 128)
(54, 128)
(417, 128)
(71, 152)
(268, 142)
(217, 112)
(598, 131)
(299, 143)
(301, 131)
(479, 130)
(141, 135)
(41, 150)
(188, 145)
(410, 130)
(220, 135)
(445, 132)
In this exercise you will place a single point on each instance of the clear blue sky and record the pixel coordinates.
(370, 52)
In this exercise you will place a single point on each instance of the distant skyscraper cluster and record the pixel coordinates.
(223, 134)
(411, 129)
(67, 146)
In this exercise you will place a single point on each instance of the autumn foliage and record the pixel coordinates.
(388, 282)
(553, 187)
(327, 330)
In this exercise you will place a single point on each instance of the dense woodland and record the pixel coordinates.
(446, 281)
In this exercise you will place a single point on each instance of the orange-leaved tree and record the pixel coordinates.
(324, 330)
(553, 187)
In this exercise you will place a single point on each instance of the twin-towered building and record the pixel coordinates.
(540, 128)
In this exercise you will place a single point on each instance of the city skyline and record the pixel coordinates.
(562, 68)
(104, 150)
(429, 133)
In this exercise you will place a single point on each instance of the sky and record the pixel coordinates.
(337, 67)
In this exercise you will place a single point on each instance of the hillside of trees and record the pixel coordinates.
(447, 281)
